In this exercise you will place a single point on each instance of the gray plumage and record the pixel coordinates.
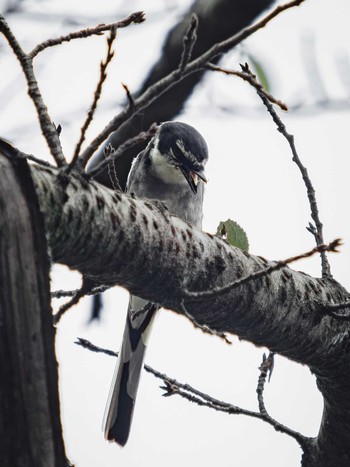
(171, 170)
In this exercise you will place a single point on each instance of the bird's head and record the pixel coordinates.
(180, 151)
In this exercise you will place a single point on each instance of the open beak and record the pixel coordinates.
(193, 177)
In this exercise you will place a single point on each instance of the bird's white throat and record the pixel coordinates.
(164, 170)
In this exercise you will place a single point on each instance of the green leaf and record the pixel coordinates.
(233, 234)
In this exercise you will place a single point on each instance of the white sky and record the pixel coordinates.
(251, 180)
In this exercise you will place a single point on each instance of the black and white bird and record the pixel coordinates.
(170, 169)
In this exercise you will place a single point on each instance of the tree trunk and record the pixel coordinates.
(30, 428)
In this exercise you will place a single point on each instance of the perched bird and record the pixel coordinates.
(170, 169)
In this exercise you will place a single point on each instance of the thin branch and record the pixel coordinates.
(198, 64)
(129, 96)
(205, 329)
(112, 173)
(188, 43)
(145, 309)
(265, 369)
(174, 387)
(85, 289)
(173, 383)
(140, 138)
(94, 348)
(71, 293)
(97, 95)
(73, 301)
(48, 129)
(332, 247)
(137, 17)
(6, 145)
(326, 272)
(251, 79)
(38, 161)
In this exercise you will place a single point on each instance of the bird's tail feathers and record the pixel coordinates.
(125, 382)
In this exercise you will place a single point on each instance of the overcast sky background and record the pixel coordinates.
(251, 180)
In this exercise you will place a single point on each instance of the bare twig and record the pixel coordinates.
(97, 95)
(174, 387)
(173, 384)
(73, 301)
(188, 43)
(205, 329)
(251, 79)
(85, 289)
(108, 151)
(38, 161)
(137, 17)
(94, 348)
(145, 309)
(198, 64)
(129, 96)
(326, 272)
(48, 129)
(332, 247)
(265, 369)
(26, 60)
(4, 144)
(140, 138)
(71, 293)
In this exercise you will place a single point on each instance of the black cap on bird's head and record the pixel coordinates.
(186, 149)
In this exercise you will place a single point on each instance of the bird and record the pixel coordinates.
(169, 170)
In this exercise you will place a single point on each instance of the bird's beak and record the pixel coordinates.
(192, 177)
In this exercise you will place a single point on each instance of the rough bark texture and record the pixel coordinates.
(170, 257)
(30, 429)
(218, 19)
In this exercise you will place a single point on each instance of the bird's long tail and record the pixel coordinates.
(122, 395)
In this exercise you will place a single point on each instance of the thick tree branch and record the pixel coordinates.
(96, 231)
(177, 258)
